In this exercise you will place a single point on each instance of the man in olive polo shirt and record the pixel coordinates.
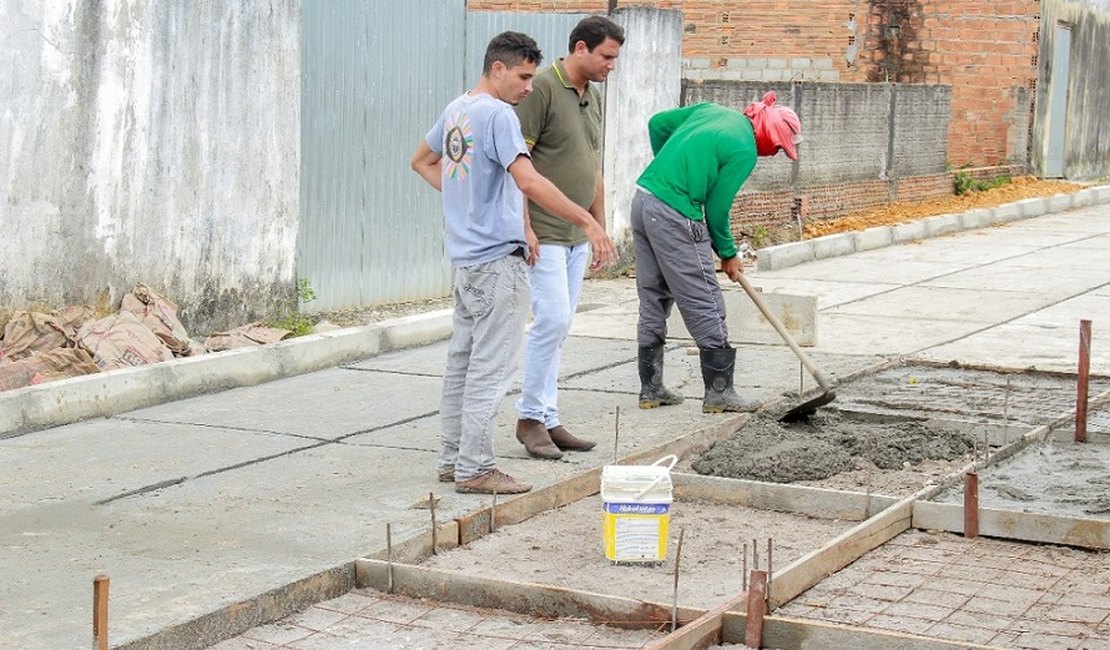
(561, 123)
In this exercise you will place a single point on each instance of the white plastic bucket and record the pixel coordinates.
(636, 504)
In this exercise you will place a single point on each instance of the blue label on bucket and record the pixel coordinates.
(637, 508)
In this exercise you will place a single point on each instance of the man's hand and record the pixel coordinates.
(732, 268)
(604, 252)
(533, 245)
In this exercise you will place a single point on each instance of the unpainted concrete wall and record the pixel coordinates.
(154, 142)
(647, 80)
(1087, 139)
(852, 132)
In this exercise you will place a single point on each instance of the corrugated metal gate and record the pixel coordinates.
(371, 230)
(551, 32)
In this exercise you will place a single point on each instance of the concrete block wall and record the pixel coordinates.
(761, 69)
(878, 120)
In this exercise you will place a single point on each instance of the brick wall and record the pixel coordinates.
(985, 50)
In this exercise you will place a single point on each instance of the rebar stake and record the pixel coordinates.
(389, 558)
(744, 569)
(616, 434)
(100, 612)
(493, 511)
(677, 558)
(432, 507)
(1005, 415)
(770, 545)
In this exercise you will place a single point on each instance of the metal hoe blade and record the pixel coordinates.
(827, 383)
(808, 407)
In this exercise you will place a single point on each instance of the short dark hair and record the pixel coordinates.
(512, 49)
(593, 31)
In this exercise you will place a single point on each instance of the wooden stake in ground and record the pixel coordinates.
(757, 596)
(971, 505)
(677, 558)
(1084, 378)
(100, 612)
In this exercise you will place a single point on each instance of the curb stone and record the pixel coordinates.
(783, 256)
(63, 402)
(116, 391)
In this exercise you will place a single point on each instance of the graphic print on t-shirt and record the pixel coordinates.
(458, 143)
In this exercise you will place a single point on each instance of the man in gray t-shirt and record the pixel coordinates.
(476, 156)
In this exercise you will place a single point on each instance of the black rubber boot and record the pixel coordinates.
(652, 391)
(717, 367)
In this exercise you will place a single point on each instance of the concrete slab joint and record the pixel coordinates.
(785, 255)
(833, 245)
(941, 225)
(872, 238)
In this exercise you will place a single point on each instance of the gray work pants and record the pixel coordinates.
(491, 308)
(674, 265)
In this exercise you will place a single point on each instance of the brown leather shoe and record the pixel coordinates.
(492, 481)
(446, 474)
(536, 439)
(566, 441)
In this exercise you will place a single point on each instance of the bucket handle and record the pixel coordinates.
(674, 461)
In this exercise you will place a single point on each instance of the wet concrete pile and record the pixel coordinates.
(828, 444)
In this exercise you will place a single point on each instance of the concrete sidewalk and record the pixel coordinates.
(194, 505)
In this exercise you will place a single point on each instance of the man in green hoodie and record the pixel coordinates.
(680, 217)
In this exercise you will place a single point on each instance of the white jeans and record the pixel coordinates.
(491, 307)
(556, 285)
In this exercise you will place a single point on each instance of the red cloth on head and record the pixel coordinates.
(775, 126)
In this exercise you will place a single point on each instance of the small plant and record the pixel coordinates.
(965, 183)
(305, 293)
(290, 317)
(961, 182)
(760, 236)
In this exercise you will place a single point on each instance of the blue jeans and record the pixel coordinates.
(491, 308)
(556, 285)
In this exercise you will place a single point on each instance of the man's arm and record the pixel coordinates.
(426, 163)
(545, 194)
(718, 203)
(597, 208)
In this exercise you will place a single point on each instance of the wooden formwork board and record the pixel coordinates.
(1016, 526)
(841, 551)
(519, 597)
(518, 508)
(236, 618)
(779, 632)
(817, 502)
